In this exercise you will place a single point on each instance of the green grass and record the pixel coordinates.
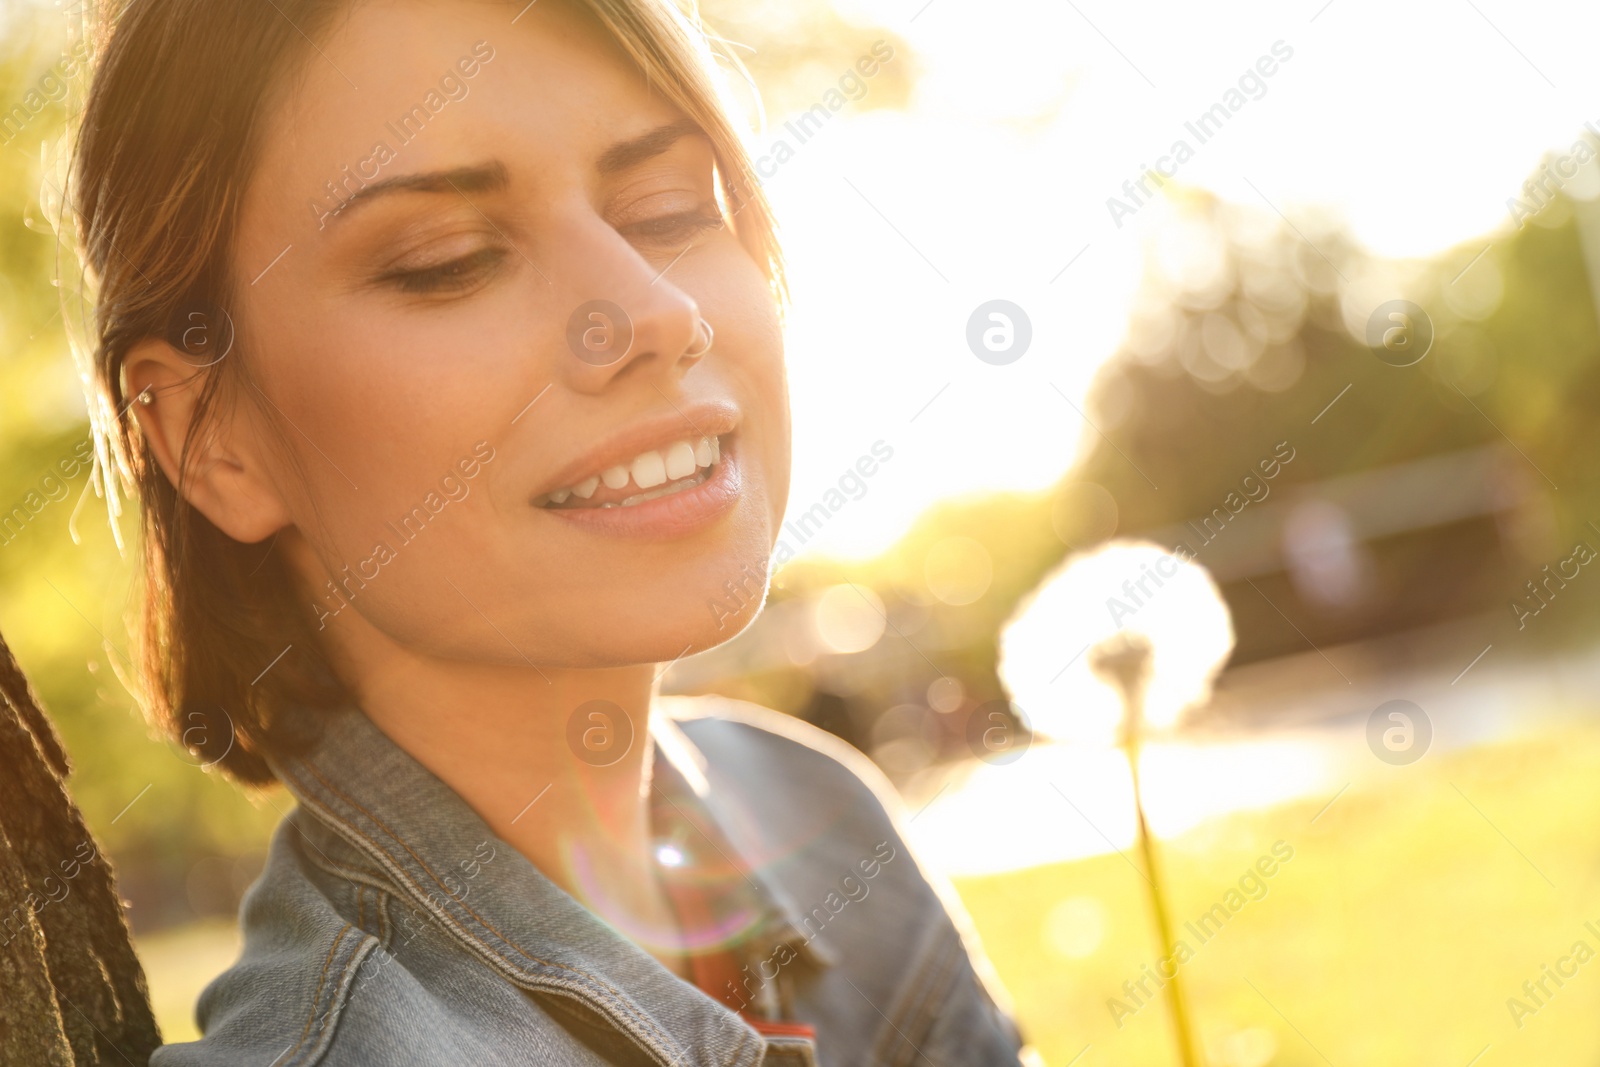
(1395, 935)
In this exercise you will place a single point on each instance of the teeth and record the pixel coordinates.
(649, 470)
(680, 465)
(680, 461)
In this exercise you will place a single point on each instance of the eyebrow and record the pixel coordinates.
(632, 152)
(482, 178)
(494, 177)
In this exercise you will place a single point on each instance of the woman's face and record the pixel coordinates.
(482, 468)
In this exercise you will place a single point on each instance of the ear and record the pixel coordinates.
(226, 479)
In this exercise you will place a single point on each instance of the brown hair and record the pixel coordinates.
(164, 153)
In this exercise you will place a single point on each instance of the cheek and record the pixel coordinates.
(393, 399)
(741, 304)
(769, 416)
(373, 421)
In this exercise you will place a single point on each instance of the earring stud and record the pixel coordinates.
(703, 349)
(146, 397)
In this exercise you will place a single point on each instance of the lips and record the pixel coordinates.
(666, 476)
(650, 475)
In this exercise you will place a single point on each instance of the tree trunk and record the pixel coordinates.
(71, 989)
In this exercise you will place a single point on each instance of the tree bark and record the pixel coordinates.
(72, 991)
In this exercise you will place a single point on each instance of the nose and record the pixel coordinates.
(624, 314)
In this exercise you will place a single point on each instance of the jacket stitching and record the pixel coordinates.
(317, 996)
(317, 857)
(616, 995)
(380, 885)
(381, 906)
(935, 965)
(938, 991)
(336, 1001)
(919, 1015)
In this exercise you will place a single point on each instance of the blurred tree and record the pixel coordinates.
(1251, 333)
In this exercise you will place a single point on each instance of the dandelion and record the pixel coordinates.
(1119, 643)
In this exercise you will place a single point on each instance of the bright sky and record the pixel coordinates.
(1414, 122)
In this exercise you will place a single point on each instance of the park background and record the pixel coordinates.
(1180, 334)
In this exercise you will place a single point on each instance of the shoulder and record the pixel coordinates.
(821, 815)
(315, 969)
(786, 783)
(746, 741)
(301, 953)
(338, 969)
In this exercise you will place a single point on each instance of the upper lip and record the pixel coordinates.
(704, 418)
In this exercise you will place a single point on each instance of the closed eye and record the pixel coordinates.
(452, 276)
(682, 226)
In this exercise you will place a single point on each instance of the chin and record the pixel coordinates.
(661, 644)
(651, 630)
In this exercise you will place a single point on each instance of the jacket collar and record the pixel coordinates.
(727, 840)
(505, 911)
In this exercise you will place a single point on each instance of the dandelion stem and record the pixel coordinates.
(1125, 662)
(1182, 1032)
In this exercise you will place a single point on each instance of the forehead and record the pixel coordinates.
(431, 82)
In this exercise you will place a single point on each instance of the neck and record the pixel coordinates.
(556, 761)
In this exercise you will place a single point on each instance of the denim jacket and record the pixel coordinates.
(392, 927)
